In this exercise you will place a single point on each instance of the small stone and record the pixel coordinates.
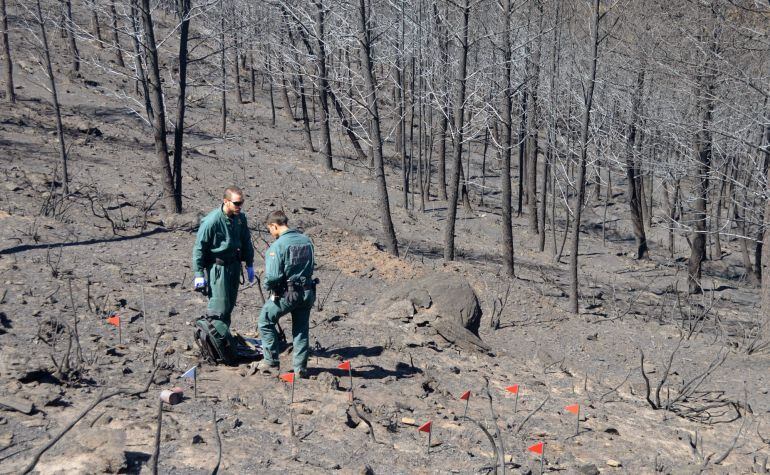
(197, 439)
(5, 440)
(588, 469)
(366, 470)
(611, 431)
(408, 421)
(614, 463)
(19, 405)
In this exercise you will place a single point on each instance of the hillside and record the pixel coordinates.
(111, 246)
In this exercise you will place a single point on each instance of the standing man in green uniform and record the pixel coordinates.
(223, 242)
(289, 279)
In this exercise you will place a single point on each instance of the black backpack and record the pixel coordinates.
(218, 345)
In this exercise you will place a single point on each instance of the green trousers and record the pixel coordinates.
(300, 328)
(223, 289)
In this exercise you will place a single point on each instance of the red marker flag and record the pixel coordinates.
(466, 396)
(513, 389)
(574, 408)
(425, 427)
(344, 365)
(537, 448)
(114, 320)
(288, 377)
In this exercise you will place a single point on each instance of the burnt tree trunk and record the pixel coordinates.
(138, 63)
(371, 102)
(533, 82)
(183, 7)
(522, 154)
(581, 179)
(69, 26)
(95, 24)
(324, 86)
(156, 98)
(443, 42)
(115, 37)
(704, 93)
(223, 68)
(237, 75)
(10, 93)
(454, 185)
(505, 172)
(633, 176)
(54, 99)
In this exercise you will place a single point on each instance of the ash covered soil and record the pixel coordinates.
(111, 247)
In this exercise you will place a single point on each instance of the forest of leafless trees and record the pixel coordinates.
(532, 107)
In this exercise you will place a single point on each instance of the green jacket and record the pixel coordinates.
(290, 257)
(220, 236)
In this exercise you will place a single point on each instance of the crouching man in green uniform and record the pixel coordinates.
(223, 242)
(289, 279)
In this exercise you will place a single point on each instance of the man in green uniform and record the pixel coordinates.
(289, 279)
(223, 242)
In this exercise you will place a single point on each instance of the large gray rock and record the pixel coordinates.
(443, 302)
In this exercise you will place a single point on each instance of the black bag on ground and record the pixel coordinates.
(218, 345)
(214, 341)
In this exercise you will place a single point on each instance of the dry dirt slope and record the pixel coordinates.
(402, 373)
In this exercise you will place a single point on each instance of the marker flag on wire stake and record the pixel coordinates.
(289, 378)
(427, 427)
(514, 390)
(346, 366)
(467, 398)
(575, 409)
(115, 321)
(536, 448)
(192, 373)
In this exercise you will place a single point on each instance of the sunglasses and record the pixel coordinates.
(237, 203)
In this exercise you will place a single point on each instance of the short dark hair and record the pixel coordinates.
(230, 191)
(277, 217)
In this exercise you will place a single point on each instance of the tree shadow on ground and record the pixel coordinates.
(135, 460)
(371, 371)
(350, 351)
(87, 242)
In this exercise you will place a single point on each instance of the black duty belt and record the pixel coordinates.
(224, 262)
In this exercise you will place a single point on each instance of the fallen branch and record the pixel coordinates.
(646, 381)
(101, 398)
(156, 451)
(366, 421)
(219, 442)
(722, 457)
(497, 428)
(534, 411)
(491, 439)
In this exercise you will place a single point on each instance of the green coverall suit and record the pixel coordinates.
(223, 242)
(289, 259)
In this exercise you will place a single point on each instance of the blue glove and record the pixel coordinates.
(199, 282)
(250, 274)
